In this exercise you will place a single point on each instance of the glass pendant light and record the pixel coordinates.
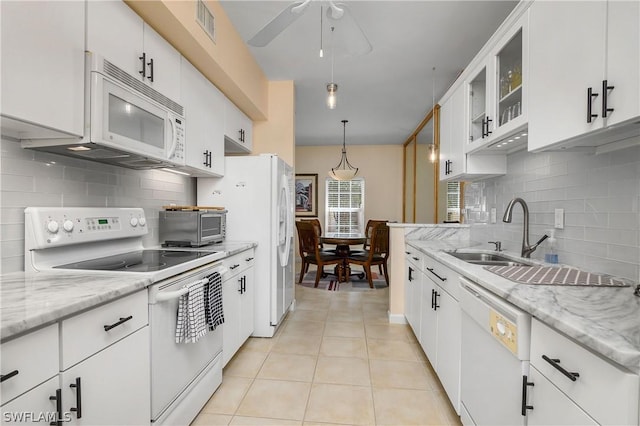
(344, 170)
(332, 87)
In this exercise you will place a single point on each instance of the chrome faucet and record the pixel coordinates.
(526, 248)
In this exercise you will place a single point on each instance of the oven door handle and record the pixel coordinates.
(171, 295)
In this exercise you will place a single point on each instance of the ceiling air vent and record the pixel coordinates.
(206, 20)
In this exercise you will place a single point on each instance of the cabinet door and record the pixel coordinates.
(114, 384)
(448, 346)
(446, 142)
(230, 306)
(413, 294)
(623, 64)
(550, 406)
(566, 57)
(28, 408)
(428, 320)
(166, 64)
(458, 165)
(480, 116)
(246, 306)
(115, 32)
(204, 106)
(43, 64)
(238, 129)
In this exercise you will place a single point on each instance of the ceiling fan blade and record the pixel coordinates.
(349, 34)
(285, 18)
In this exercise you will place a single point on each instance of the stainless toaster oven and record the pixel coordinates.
(192, 228)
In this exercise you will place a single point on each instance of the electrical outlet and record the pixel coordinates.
(493, 215)
(559, 219)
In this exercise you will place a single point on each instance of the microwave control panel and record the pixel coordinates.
(178, 155)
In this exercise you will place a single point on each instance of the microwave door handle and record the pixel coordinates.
(174, 145)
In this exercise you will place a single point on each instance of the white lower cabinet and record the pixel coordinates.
(237, 303)
(550, 405)
(431, 300)
(112, 386)
(85, 370)
(38, 406)
(413, 289)
(604, 391)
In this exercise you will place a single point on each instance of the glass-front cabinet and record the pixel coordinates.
(496, 95)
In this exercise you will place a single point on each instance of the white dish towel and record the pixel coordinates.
(192, 323)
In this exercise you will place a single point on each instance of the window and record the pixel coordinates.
(453, 201)
(344, 206)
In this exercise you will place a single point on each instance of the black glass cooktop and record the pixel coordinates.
(138, 261)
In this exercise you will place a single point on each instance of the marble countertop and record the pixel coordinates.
(31, 300)
(604, 319)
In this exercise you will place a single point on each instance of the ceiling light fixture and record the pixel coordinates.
(433, 155)
(332, 87)
(344, 170)
(321, 51)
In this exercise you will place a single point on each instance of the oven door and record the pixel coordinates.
(125, 120)
(174, 366)
(211, 228)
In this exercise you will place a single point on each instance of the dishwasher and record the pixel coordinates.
(494, 364)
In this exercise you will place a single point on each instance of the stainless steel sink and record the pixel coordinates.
(493, 259)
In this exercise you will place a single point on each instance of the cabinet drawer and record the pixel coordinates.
(413, 256)
(605, 391)
(35, 359)
(238, 263)
(85, 334)
(442, 275)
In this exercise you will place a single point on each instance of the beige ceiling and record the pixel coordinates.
(385, 93)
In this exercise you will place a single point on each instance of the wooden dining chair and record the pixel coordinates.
(371, 223)
(310, 252)
(377, 254)
(318, 227)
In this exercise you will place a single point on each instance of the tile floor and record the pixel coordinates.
(335, 360)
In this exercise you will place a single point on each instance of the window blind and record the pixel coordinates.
(344, 206)
(453, 201)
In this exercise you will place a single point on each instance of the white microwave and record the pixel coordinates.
(127, 122)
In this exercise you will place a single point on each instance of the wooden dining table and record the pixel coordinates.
(343, 242)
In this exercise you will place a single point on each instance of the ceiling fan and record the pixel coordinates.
(351, 36)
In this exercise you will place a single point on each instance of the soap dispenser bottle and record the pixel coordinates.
(551, 256)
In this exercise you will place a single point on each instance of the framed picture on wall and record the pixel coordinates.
(307, 195)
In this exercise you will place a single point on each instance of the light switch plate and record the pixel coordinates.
(493, 215)
(559, 219)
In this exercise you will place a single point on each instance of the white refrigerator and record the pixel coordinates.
(258, 193)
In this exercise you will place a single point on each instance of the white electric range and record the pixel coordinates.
(183, 376)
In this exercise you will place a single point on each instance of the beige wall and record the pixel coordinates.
(379, 165)
(277, 135)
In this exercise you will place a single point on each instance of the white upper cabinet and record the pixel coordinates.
(238, 130)
(454, 163)
(623, 61)
(121, 36)
(497, 94)
(204, 106)
(42, 68)
(584, 71)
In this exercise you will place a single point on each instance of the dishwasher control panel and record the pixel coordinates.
(504, 330)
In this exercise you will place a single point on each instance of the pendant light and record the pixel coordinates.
(432, 146)
(332, 87)
(344, 170)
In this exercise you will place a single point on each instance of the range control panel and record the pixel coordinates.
(59, 226)
(504, 330)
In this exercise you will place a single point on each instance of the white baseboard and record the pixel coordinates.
(396, 318)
